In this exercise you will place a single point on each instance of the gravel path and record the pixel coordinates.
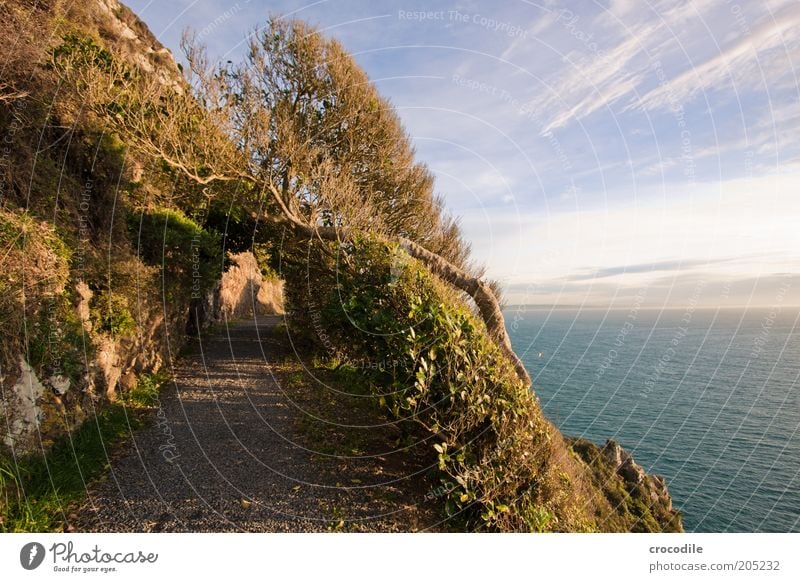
(223, 452)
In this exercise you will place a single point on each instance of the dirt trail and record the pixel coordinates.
(235, 446)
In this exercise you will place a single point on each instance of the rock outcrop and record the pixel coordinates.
(243, 292)
(627, 486)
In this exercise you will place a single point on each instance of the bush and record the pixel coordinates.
(504, 466)
(110, 314)
(83, 51)
(428, 360)
(36, 315)
(190, 257)
(146, 392)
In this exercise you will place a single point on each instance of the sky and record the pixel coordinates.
(599, 153)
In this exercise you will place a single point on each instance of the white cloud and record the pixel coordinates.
(740, 229)
(486, 145)
(611, 59)
(740, 59)
(586, 85)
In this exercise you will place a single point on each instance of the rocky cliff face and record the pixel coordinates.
(132, 41)
(642, 498)
(83, 315)
(243, 292)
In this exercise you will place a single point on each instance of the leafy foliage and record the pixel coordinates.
(635, 504)
(496, 453)
(110, 314)
(81, 50)
(429, 361)
(36, 315)
(146, 392)
(189, 256)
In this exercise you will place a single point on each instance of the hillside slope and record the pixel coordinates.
(104, 253)
(112, 254)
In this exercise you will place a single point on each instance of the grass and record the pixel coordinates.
(38, 493)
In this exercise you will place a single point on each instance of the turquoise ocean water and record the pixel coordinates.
(707, 398)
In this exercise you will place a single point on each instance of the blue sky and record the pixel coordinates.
(592, 149)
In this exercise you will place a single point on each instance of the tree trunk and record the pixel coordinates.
(481, 293)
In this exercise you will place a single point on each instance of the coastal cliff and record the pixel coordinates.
(113, 255)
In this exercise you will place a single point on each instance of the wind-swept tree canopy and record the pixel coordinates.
(300, 125)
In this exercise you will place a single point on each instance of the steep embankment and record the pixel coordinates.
(430, 362)
(103, 253)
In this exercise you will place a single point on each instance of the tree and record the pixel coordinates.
(299, 125)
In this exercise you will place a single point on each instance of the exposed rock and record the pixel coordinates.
(613, 452)
(43, 398)
(23, 409)
(270, 296)
(128, 381)
(108, 361)
(658, 491)
(623, 463)
(59, 383)
(135, 171)
(84, 298)
(242, 287)
(241, 293)
(628, 488)
(631, 472)
(131, 38)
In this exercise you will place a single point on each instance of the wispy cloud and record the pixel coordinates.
(741, 60)
(673, 265)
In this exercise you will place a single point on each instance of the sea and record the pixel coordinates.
(708, 398)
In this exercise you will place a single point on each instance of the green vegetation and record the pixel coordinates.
(83, 295)
(291, 149)
(36, 315)
(427, 361)
(70, 174)
(37, 493)
(146, 392)
(82, 51)
(189, 256)
(430, 362)
(110, 314)
(633, 503)
(345, 389)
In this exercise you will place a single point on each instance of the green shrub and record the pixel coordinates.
(240, 232)
(189, 256)
(110, 314)
(146, 392)
(77, 50)
(37, 319)
(429, 360)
